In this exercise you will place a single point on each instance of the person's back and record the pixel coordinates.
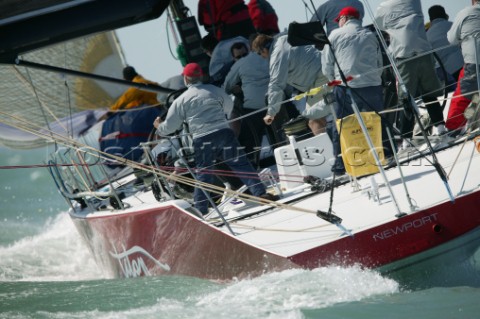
(295, 66)
(465, 29)
(263, 16)
(437, 36)
(202, 108)
(175, 83)
(226, 18)
(328, 11)
(358, 53)
(403, 20)
(252, 72)
(451, 57)
(290, 67)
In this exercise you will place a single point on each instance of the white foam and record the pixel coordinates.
(290, 290)
(285, 294)
(56, 254)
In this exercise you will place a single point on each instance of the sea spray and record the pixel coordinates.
(57, 253)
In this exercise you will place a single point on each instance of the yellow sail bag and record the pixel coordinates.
(357, 156)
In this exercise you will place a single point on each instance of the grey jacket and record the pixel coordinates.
(295, 66)
(328, 11)
(465, 27)
(252, 72)
(403, 20)
(358, 53)
(437, 36)
(202, 107)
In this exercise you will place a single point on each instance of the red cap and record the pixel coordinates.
(192, 70)
(348, 11)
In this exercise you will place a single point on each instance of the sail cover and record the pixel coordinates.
(26, 25)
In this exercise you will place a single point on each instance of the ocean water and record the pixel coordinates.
(46, 271)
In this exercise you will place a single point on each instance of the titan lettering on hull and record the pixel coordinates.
(135, 267)
(414, 224)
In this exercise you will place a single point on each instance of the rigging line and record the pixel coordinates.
(398, 109)
(468, 168)
(419, 55)
(246, 197)
(226, 172)
(37, 133)
(33, 89)
(255, 175)
(364, 129)
(29, 85)
(308, 10)
(445, 76)
(38, 99)
(185, 180)
(293, 178)
(304, 230)
(169, 26)
(213, 188)
(67, 92)
(40, 166)
(411, 105)
(316, 13)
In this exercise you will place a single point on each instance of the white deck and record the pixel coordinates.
(286, 232)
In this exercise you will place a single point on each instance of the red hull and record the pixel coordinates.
(178, 240)
(170, 241)
(401, 238)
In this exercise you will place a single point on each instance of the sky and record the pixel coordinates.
(145, 45)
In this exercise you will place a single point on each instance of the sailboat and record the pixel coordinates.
(415, 214)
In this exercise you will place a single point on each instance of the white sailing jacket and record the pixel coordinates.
(295, 66)
(202, 106)
(403, 20)
(358, 53)
(463, 31)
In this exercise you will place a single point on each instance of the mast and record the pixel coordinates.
(187, 28)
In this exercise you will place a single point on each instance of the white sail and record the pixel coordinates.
(42, 99)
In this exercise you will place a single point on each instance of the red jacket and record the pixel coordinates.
(263, 16)
(221, 13)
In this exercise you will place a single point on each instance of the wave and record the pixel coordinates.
(57, 253)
